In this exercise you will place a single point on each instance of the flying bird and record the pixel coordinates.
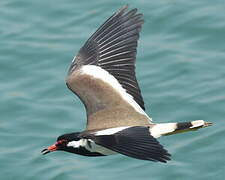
(102, 75)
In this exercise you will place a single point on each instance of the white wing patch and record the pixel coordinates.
(99, 73)
(110, 131)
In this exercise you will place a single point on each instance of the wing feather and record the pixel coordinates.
(113, 48)
(135, 142)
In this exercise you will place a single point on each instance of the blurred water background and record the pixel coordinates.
(180, 68)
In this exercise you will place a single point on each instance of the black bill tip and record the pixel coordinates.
(45, 151)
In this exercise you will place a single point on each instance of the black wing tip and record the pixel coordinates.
(162, 157)
(165, 158)
(124, 10)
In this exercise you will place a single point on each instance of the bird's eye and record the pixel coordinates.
(61, 142)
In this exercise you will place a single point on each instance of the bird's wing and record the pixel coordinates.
(135, 142)
(103, 73)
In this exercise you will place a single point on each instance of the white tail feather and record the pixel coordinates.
(158, 130)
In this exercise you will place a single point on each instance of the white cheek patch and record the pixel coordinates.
(76, 144)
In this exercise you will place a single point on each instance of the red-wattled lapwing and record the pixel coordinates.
(102, 75)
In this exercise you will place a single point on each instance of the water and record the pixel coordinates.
(180, 68)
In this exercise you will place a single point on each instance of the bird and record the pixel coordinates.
(102, 75)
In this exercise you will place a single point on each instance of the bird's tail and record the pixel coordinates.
(166, 129)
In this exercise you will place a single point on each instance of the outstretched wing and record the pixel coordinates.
(103, 72)
(135, 142)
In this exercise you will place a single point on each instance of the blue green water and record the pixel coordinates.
(180, 68)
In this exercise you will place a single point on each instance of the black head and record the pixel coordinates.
(61, 143)
(69, 137)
